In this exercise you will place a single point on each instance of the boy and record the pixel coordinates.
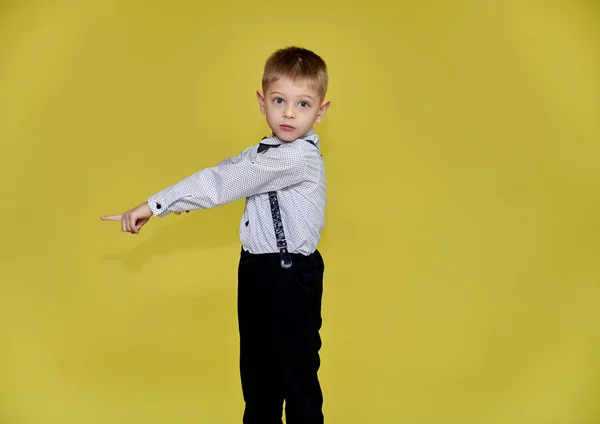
(280, 273)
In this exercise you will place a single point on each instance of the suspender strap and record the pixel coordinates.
(284, 255)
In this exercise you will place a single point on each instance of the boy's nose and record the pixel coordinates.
(288, 113)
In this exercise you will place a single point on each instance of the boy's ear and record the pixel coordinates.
(261, 101)
(322, 111)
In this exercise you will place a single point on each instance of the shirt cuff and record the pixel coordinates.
(157, 205)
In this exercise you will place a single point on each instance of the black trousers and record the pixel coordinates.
(279, 316)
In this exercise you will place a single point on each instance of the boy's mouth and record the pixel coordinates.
(287, 127)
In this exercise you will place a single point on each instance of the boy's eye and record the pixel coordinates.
(304, 104)
(278, 100)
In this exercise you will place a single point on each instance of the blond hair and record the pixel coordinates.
(296, 63)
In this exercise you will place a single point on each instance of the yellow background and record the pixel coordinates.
(461, 244)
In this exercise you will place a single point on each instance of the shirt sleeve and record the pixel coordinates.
(235, 178)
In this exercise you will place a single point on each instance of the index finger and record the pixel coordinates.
(111, 217)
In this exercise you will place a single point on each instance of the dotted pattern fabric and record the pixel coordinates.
(294, 169)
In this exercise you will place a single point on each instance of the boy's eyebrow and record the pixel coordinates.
(302, 95)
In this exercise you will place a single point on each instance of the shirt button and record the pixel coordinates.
(158, 206)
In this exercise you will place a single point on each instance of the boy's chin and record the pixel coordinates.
(284, 136)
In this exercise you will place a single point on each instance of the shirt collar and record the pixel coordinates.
(274, 140)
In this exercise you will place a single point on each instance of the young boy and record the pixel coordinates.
(280, 273)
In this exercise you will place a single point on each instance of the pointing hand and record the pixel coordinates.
(132, 220)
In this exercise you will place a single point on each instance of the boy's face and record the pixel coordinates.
(291, 107)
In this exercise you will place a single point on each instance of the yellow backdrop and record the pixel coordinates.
(461, 243)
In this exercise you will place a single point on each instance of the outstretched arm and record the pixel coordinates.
(242, 176)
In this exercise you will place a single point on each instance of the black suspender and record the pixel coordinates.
(284, 255)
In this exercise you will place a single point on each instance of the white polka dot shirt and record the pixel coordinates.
(294, 169)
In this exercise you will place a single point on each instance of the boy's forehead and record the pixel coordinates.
(297, 87)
